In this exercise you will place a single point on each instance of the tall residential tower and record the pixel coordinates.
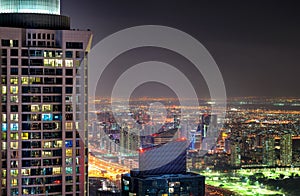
(286, 153)
(44, 100)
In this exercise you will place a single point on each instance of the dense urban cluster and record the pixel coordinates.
(253, 136)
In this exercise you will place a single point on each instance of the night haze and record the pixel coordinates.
(255, 44)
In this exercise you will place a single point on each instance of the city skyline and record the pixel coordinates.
(193, 98)
(254, 43)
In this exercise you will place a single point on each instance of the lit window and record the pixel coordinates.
(14, 126)
(58, 144)
(14, 182)
(14, 89)
(14, 117)
(69, 143)
(69, 161)
(68, 99)
(57, 116)
(3, 98)
(3, 78)
(34, 117)
(35, 108)
(14, 99)
(3, 173)
(14, 136)
(69, 152)
(48, 145)
(14, 172)
(4, 91)
(25, 136)
(58, 53)
(49, 62)
(47, 153)
(3, 182)
(4, 127)
(4, 118)
(58, 62)
(25, 172)
(13, 80)
(47, 117)
(69, 63)
(3, 145)
(57, 125)
(25, 191)
(49, 53)
(56, 170)
(14, 145)
(35, 80)
(69, 126)
(4, 136)
(69, 170)
(24, 80)
(47, 108)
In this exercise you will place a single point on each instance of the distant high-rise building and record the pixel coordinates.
(286, 149)
(209, 131)
(235, 156)
(208, 122)
(43, 101)
(129, 140)
(269, 151)
(197, 141)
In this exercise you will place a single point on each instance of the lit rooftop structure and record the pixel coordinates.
(30, 6)
(33, 14)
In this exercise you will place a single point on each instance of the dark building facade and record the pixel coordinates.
(162, 171)
(185, 184)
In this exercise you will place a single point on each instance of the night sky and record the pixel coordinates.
(255, 44)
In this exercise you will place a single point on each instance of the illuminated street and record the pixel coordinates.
(100, 168)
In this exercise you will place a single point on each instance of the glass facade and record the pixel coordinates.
(30, 6)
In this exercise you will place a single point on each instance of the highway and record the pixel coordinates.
(101, 168)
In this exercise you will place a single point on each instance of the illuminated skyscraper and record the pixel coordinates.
(44, 100)
(286, 149)
(208, 123)
(235, 156)
(269, 151)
